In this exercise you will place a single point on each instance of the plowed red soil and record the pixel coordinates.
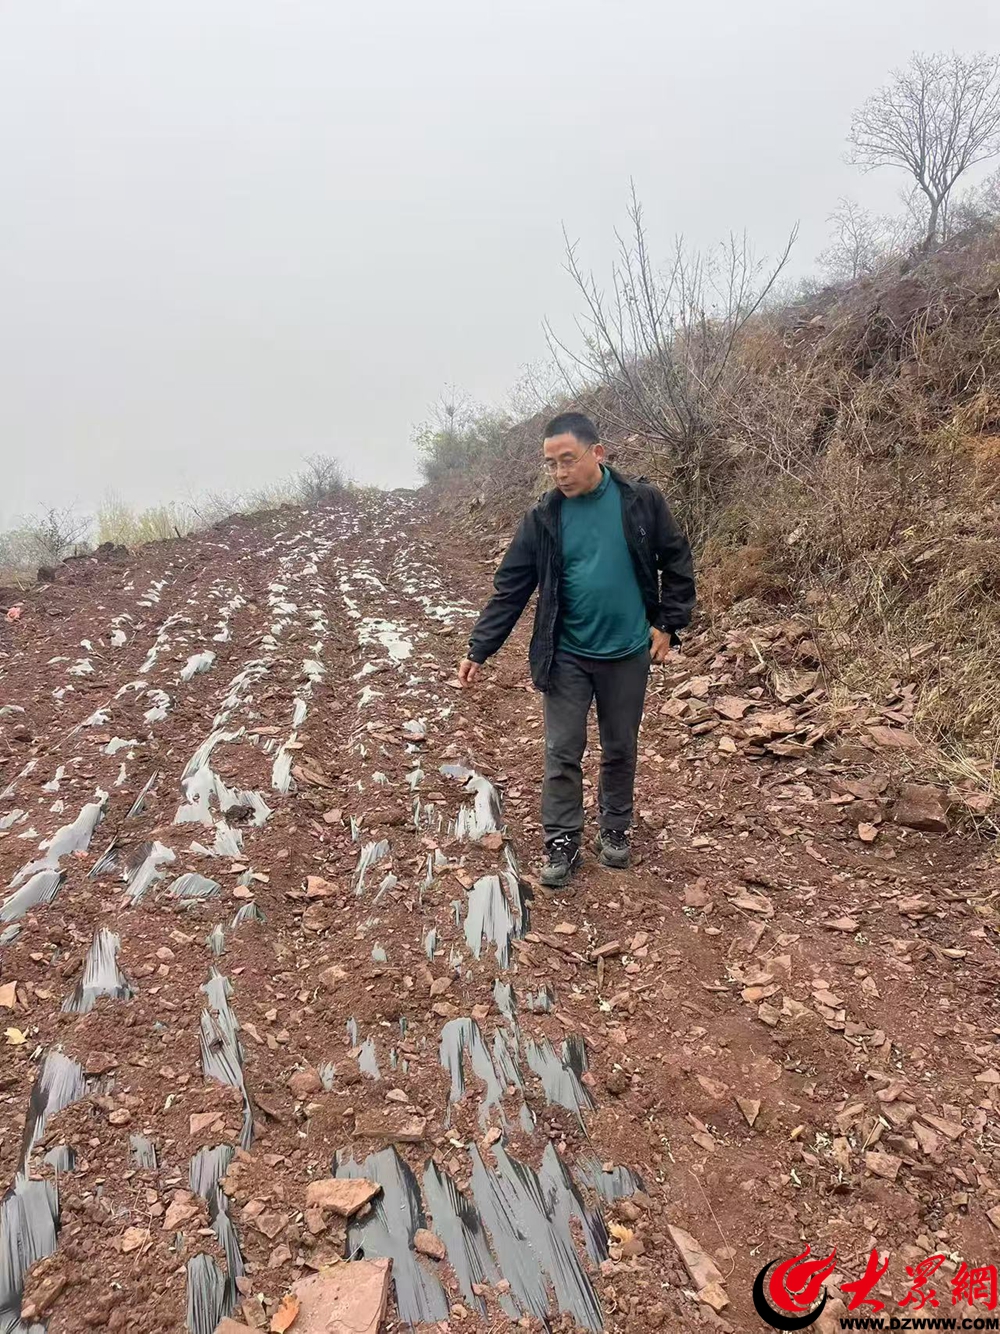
(778, 1017)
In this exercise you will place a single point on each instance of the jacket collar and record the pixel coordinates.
(551, 502)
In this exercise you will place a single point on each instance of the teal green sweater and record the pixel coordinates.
(603, 613)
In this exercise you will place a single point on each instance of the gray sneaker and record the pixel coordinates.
(613, 848)
(563, 857)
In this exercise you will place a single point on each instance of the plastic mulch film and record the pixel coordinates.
(42, 888)
(459, 1226)
(388, 1230)
(561, 1075)
(221, 1053)
(527, 1215)
(70, 838)
(618, 1184)
(212, 1295)
(191, 885)
(29, 1212)
(463, 1035)
(101, 975)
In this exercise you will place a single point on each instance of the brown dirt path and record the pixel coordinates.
(758, 951)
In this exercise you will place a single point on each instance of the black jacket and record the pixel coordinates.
(659, 550)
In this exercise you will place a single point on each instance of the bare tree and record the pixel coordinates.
(855, 248)
(663, 343)
(935, 119)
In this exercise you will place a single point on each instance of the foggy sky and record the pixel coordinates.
(234, 232)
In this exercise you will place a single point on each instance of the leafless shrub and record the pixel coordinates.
(664, 345)
(863, 243)
(320, 478)
(978, 209)
(41, 540)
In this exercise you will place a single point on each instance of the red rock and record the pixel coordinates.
(750, 1107)
(428, 1243)
(202, 1121)
(133, 1238)
(99, 1063)
(304, 1082)
(343, 1195)
(348, 1299)
(318, 917)
(922, 807)
(732, 707)
(44, 1296)
(885, 1165)
(849, 924)
(713, 1087)
(697, 1262)
(927, 1139)
(230, 1326)
(914, 906)
(606, 951)
(950, 1129)
(181, 1211)
(271, 1224)
(893, 736)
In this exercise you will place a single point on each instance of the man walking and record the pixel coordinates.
(615, 584)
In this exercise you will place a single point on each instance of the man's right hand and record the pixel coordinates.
(467, 672)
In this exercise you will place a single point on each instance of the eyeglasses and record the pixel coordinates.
(555, 466)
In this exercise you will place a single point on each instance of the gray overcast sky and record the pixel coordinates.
(234, 232)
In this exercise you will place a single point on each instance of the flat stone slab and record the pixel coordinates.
(348, 1298)
(343, 1195)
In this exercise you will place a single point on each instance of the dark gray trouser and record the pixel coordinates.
(619, 687)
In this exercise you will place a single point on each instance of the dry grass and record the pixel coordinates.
(319, 479)
(124, 525)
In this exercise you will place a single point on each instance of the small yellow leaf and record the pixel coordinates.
(620, 1232)
(284, 1316)
(15, 1037)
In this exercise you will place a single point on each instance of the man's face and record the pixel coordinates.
(575, 468)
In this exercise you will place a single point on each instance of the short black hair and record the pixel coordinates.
(573, 423)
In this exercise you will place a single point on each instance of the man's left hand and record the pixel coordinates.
(660, 645)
